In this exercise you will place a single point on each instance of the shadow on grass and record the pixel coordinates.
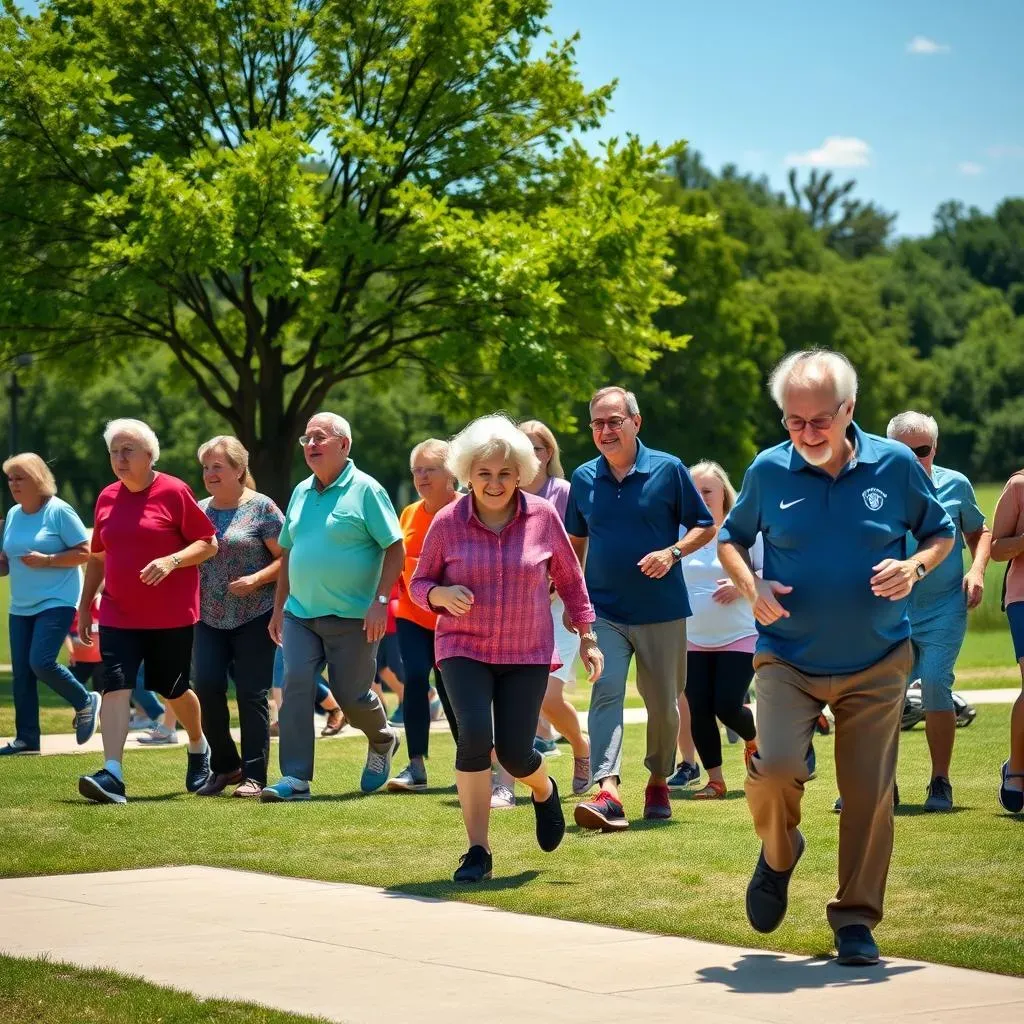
(772, 973)
(444, 889)
(912, 811)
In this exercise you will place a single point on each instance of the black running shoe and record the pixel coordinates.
(103, 787)
(198, 770)
(474, 866)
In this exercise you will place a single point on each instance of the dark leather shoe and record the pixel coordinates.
(855, 946)
(216, 784)
(768, 892)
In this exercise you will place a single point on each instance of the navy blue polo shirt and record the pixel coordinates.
(627, 519)
(822, 536)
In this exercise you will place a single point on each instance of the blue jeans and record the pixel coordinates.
(145, 699)
(36, 641)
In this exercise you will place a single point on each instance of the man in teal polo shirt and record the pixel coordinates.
(342, 555)
(834, 506)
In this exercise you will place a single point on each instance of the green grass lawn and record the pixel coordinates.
(52, 993)
(954, 888)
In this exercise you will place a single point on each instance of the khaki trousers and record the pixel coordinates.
(867, 706)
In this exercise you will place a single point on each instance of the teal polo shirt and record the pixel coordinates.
(822, 536)
(335, 539)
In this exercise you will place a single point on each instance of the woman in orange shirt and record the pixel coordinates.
(436, 488)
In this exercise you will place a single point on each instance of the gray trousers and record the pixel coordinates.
(660, 650)
(351, 665)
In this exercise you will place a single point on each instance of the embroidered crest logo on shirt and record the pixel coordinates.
(874, 498)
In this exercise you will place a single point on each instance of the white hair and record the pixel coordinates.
(911, 422)
(339, 425)
(432, 446)
(142, 432)
(632, 405)
(489, 436)
(812, 366)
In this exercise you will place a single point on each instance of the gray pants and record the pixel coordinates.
(351, 664)
(660, 649)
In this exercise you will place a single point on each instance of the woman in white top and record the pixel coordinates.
(720, 635)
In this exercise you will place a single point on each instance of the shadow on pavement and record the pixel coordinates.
(773, 973)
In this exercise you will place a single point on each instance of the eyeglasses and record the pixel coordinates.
(312, 440)
(125, 453)
(612, 423)
(922, 451)
(797, 424)
(426, 470)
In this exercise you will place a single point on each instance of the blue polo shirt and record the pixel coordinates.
(822, 536)
(335, 539)
(626, 519)
(945, 582)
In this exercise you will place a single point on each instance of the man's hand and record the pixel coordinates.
(974, 588)
(726, 592)
(376, 622)
(657, 564)
(765, 604)
(275, 624)
(893, 579)
(455, 600)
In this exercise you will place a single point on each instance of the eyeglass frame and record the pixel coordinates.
(813, 421)
(314, 441)
(597, 425)
(922, 451)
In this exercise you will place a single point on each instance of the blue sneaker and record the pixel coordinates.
(546, 748)
(378, 766)
(686, 775)
(87, 719)
(398, 718)
(284, 791)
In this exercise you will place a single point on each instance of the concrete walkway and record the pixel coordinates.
(356, 954)
(64, 743)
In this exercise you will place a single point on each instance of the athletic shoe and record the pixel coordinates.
(940, 795)
(502, 798)
(603, 813)
(250, 789)
(197, 770)
(550, 820)
(749, 752)
(378, 766)
(546, 748)
(411, 778)
(768, 892)
(581, 777)
(87, 719)
(17, 746)
(656, 803)
(219, 781)
(159, 735)
(436, 710)
(474, 866)
(284, 791)
(822, 725)
(102, 787)
(1011, 800)
(334, 724)
(139, 722)
(685, 775)
(811, 762)
(855, 946)
(398, 718)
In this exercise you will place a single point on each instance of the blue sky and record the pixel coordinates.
(923, 101)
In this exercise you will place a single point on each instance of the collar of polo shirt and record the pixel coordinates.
(864, 450)
(642, 464)
(343, 478)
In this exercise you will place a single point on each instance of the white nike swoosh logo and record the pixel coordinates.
(790, 504)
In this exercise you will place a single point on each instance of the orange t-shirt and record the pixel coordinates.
(415, 520)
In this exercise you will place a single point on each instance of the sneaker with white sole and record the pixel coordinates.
(102, 787)
(410, 779)
(502, 798)
(159, 735)
(378, 766)
(87, 719)
(284, 791)
(17, 746)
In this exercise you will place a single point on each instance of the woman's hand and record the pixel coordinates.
(592, 658)
(726, 592)
(157, 571)
(85, 625)
(242, 586)
(35, 560)
(455, 600)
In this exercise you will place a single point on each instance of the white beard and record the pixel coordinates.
(818, 458)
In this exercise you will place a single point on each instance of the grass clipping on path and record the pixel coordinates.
(953, 892)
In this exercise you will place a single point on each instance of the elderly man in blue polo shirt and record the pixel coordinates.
(623, 516)
(834, 506)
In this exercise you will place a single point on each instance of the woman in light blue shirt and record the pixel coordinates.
(44, 543)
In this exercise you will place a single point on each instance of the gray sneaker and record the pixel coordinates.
(86, 719)
(940, 795)
(378, 766)
(410, 779)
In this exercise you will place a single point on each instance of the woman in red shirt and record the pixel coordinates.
(485, 567)
(149, 534)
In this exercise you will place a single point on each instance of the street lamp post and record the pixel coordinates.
(14, 392)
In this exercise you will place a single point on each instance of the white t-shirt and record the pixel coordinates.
(713, 624)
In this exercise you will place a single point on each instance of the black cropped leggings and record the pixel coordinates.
(716, 687)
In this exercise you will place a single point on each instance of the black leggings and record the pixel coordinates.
(417, 645)
(716, 686)
(496, 706)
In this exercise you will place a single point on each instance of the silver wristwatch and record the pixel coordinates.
(382, 599)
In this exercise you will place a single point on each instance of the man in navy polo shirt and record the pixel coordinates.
(834, 506)
(623, 516)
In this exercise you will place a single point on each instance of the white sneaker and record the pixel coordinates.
(159, 734)
(139, 722)
(502, 798)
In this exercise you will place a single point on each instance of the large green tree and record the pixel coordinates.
(289, 194)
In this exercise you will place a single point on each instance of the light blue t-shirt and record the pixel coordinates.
(335, 539)
(945, 582)
(53, 529)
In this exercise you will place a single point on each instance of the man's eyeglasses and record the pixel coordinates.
(922, 451)
(796, 424)
(612, 423)
(311, 440)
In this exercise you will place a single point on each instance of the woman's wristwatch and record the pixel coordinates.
(591, 637)
(177, 561)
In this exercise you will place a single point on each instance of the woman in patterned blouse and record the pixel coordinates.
(485, 567)
(236, 599)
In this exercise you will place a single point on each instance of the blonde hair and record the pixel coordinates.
(134, 428)
(234, 451)
(489, 436)
(35, 469)
(544, 431)
(715, 470)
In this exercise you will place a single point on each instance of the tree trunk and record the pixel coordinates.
(270, 462)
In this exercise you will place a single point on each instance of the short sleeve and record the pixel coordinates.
(70, 527)
(284, 538)
(925, 515)
(195, 523)
(972, 518)
(743, 523)
(575, 524)
(99, 516)
(271, 520)
(692, 510)
(380, 517)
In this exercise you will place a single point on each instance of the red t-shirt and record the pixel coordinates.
(133, 528)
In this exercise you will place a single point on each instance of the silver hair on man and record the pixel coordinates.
(813, 366)
(911, 422)
(142, 432)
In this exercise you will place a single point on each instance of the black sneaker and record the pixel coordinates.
(940, 795)
(474, 866)
(198, 770)
(768, 892)
(855, 946)
(550, 821)
(103, 787)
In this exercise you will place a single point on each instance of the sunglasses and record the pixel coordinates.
(922, 451)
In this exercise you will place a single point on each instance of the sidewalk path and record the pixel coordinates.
(361, 955)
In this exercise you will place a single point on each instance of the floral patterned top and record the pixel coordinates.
(242, 534)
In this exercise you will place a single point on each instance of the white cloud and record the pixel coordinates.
(836, 151)
(1011, 152)
(969, 168)
(923, 46)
